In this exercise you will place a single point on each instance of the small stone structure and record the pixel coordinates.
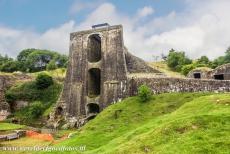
(220, 73)
(100, 74)
(200, 73)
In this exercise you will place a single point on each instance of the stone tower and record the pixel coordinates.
(96, 75)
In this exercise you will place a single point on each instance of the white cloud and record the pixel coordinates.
(13, 41)
(145, 11)
(202, 29)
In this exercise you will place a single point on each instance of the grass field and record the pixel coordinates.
(169, 123)
(178, 123)
(9, 126)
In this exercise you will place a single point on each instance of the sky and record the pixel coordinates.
(151, 27)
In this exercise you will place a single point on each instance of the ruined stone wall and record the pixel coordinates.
(96, 55)
(165, 85)
(223, 69)
(2, 88)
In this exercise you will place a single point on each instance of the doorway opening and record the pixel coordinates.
(94, 82)
(94, 48)
(93, 108)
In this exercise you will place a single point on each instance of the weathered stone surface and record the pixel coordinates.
(100, 74)
(167, 85)
(220, 73)
(137, 65)
(200, 73)
(17, 105)
(96, 75)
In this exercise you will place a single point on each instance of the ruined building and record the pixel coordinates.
(97, 72)
(220, 73)
(101, 72)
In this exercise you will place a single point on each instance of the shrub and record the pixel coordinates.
(10, 97)
(44, 81)
(51, 65)
(144, 93)
(35, 110)
(187, 68)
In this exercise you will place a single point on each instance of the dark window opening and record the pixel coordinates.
(197, 75)
(94, 48)
(219, 77)
(93, 108)
(59, 111)
(94, 82)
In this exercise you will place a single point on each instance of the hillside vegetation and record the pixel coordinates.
(41, 100)
(168, 123)
(162, 67)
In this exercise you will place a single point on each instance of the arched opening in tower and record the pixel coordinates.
(93, 108)
(94, 48)
(94, 82)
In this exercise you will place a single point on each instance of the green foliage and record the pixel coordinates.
(10, 66)
(43, 81)
(169, 123)
(203, 60)
(176, 60)
(8, 126)
(4, 59)
(35, 110)
(29, 92)
(33, 60)
(51, 66)
(144, 93)
(187, 68)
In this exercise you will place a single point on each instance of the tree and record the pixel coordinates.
(203, 60)
(176, 60)
(34, 60)
(10, 66)
(22, 56)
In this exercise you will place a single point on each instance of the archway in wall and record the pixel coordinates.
(94, 82)
(93, 108)
(94, 48)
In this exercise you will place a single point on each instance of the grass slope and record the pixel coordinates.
(9, 126)
(162, 66)
(169, 123)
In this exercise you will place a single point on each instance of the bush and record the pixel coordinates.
(187, 68)
(44, 81)
(51, 66)
(10, 66)
(10, 97)
(176, 60)
(144, 93)
(35, 110)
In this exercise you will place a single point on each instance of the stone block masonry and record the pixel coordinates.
(168, 84)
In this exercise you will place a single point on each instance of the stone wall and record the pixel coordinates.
(96, 72)
(165, 85)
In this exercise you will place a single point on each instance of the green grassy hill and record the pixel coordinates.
(169, 123)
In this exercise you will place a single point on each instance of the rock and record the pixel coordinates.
(20, 104)
(21, 133)
(4, 110)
